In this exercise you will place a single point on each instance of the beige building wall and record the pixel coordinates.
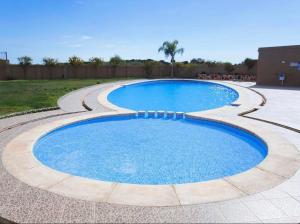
(275, 60)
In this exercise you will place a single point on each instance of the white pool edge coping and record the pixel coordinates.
(241, 100)
(282, 161)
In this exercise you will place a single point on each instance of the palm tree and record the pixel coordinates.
(170, 49)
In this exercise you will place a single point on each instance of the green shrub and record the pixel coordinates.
(25, 60)
(115, 61)
(96, 61)
(197, 61)
(250, 63)
(74, 61)
(185, 70)
(179, 65)
(148, 67)
(228, 67)
(50, 61)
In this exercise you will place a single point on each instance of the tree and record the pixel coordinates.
(74, 61)
(250, 63)
(96, 61)
(228, 67)
(115, 61)
(25, 61)
(170, 49)
(197, 61)
(50, 61)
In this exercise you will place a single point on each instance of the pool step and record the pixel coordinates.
(160, 114)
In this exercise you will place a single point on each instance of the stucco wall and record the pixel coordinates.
(275, 60)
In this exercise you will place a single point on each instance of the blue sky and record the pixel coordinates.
(223, 30)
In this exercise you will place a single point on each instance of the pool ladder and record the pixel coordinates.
(160, 114)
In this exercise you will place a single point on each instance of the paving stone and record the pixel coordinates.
(283, 220)
(296, 177)
(290, 187)
(280, 101)
(275, 193)
(204, 213)
(23, 203)
(237, 213)
(289, 206)
(253, 197)
(297, 198)
(264, 209)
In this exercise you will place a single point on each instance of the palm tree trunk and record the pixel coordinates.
(172, 63)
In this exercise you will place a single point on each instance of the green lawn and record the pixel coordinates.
(21, 95)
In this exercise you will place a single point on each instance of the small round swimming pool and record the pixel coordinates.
(127, 149)
(173, 95)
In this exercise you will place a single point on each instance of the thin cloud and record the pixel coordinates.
(67, 36)
(85, 37)
(75, 45)
(109, 45)
(73, 41)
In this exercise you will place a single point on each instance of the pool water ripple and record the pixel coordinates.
(128, 149)
(173, 95)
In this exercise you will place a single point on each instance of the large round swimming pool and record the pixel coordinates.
(128, 149)
(173, 95)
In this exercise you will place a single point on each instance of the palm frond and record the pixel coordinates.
(170, 49)
(179, 51)
(160, 49)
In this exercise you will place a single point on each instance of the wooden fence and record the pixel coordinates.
(15, 72)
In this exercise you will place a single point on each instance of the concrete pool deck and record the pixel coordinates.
(21, 203)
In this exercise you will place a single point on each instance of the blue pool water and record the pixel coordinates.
(134, 150)
(173, 95)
